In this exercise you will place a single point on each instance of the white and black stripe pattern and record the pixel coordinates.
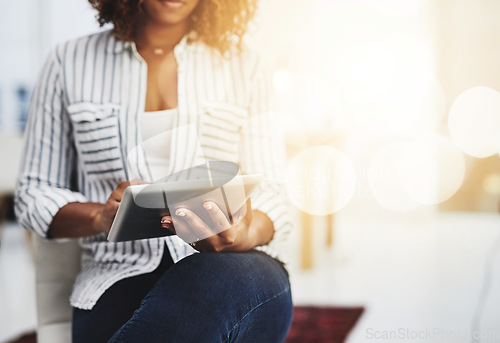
(84, 120)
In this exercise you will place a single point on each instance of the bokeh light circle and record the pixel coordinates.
(385, 181)
(474, 121)
(432, 169)
(320, 180)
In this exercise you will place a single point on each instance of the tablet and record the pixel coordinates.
(142, 206)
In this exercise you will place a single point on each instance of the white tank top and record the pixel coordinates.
(156, 140)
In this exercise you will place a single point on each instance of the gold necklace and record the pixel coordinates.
(158, 51)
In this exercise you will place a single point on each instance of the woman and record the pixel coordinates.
(167, 65)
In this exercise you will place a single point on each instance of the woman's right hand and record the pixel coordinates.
(104, 218)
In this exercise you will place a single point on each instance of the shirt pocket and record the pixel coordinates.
(220, 130)
(97, 139)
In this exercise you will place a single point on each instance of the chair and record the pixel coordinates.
(56, 267)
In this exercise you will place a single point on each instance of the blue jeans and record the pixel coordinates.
(206, 297)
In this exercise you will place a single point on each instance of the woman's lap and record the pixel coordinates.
(115, 306)
(212, 297)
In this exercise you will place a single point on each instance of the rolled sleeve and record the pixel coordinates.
(262, 151)
(44, 183)
(276, 207)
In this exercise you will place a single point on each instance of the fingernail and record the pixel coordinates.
(180, 213)
(166, 221)
(207, 205)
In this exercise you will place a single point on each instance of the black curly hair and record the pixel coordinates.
(218, 23)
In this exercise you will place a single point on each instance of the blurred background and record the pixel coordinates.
(391, 111)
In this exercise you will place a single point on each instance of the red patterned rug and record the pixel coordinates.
(322, 324)
(309, 325)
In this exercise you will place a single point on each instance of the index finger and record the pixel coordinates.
(219, 219)
(199, 229)
(117, 193)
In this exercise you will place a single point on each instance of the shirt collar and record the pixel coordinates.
(117, 46)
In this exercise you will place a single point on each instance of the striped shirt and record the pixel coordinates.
(83, 136)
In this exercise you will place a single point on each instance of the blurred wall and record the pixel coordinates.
(29, 30)
(468, 56)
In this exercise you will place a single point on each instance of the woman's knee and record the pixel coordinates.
(226, 275)
(268, 322)
(214, 296)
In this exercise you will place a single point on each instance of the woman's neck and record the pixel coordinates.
(152, 35)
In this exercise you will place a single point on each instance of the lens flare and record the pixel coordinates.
(474, 121)
(432, 169)
(384, 178)
(415, 111)
(389, 85)
(364, 70)
(314, 103)
(282, 80)
(320, 180)
(396, 7)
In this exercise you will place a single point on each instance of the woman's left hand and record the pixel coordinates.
(222, 237)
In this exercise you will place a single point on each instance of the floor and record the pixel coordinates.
(419, 281)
